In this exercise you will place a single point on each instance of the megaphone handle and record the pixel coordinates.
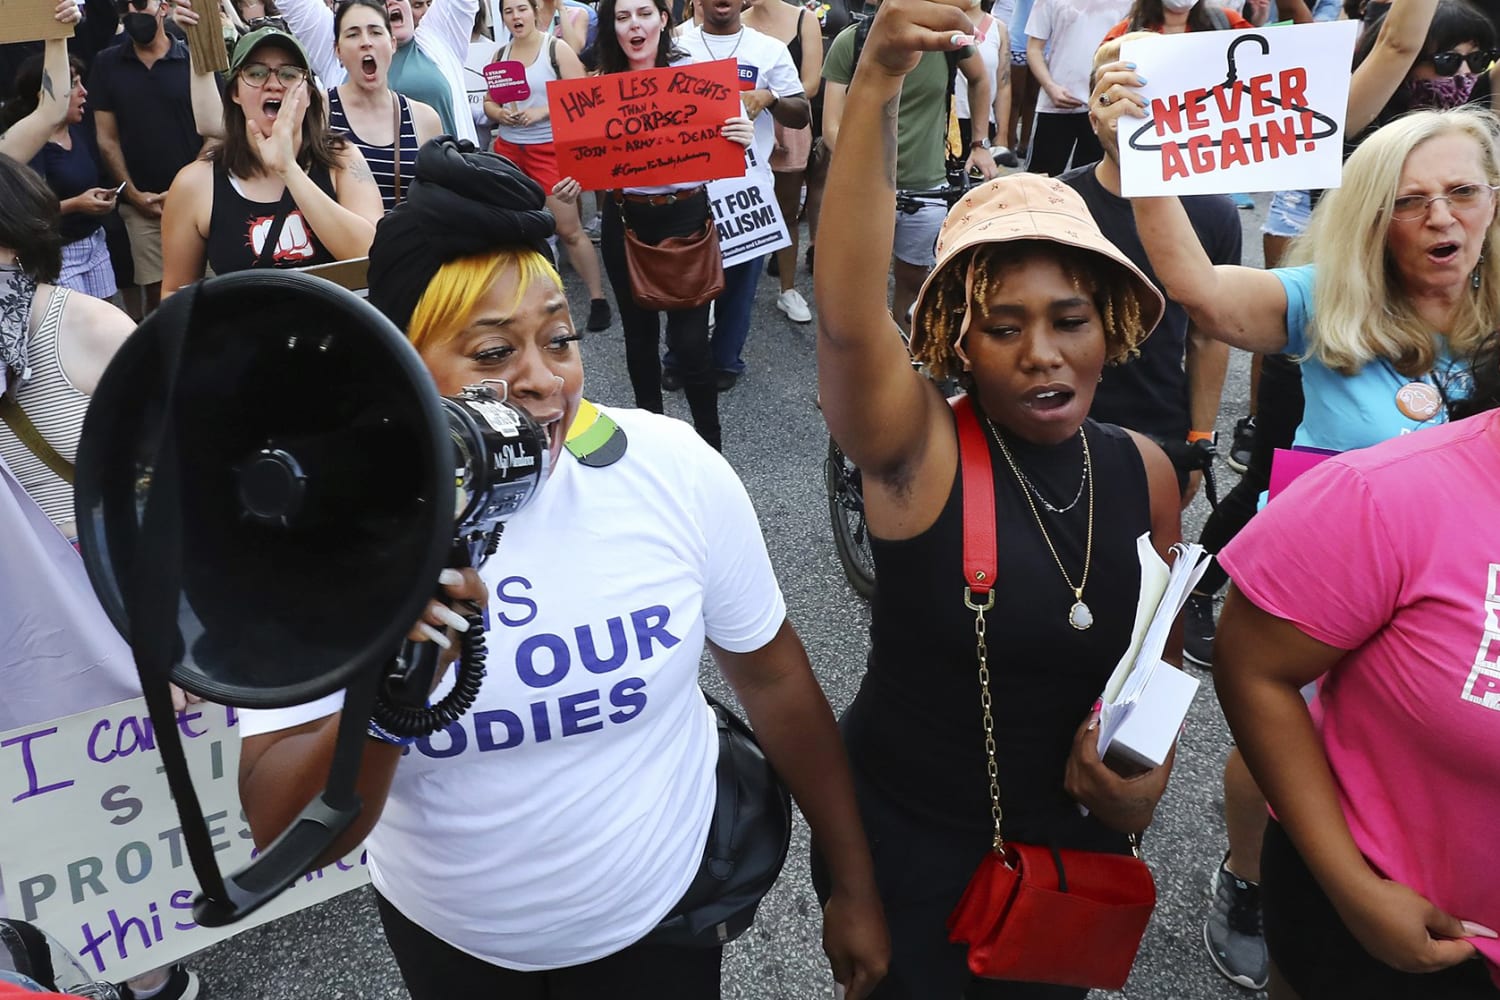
(297, 848)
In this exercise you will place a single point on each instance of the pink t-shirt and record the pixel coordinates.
(1393, 553)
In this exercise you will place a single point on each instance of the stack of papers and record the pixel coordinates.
(1147, 699)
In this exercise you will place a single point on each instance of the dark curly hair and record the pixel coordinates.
(940, 315)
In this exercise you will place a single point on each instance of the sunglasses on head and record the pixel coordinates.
(1447, 63)
(126, 6)
(270, 21)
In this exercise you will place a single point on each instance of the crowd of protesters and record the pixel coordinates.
(1092, 338)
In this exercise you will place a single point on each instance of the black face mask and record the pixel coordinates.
(141, 27)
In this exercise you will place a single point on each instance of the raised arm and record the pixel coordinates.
(881, 412)
(1244, 307)
(1403, 32)
(203, 87)
(312, 22)
(449, 23)
(25, 138)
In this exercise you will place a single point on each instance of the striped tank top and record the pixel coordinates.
(381, 158)
(56, 408)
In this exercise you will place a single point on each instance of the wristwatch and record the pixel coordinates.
(978, 144)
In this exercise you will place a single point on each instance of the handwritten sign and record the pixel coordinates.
(654, 126)
(91, 848)
(749, 220)
(1235, 111)
(506, 81)
(30, 21)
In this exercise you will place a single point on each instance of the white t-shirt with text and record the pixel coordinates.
(565, 814)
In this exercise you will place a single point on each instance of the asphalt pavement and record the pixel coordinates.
(775, 438)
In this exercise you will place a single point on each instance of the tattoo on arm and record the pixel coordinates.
(359, 171)
(47, 86)
(1002, 82)
(888, 135)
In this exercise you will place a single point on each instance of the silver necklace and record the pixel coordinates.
(1082, 479)
(739, 37)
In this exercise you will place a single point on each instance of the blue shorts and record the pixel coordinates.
(1288, 214)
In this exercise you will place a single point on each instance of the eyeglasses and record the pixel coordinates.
(256, 74)
(1447, 63)
(1410, 207)
(270, 21)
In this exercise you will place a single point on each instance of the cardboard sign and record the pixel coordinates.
(748, 217)
(1238, 111)
(92, 850)
(653, 126)
(206, 39)
(30, 21)
(506, 81)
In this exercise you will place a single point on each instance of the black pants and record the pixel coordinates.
(435, 970)
(921, 870)
(1318, 956)
(1058, 138)
(687, 329)
(1277, 417)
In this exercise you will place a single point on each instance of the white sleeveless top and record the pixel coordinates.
(56, 407)
(538, 75)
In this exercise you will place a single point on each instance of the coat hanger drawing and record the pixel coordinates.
(1231, 80)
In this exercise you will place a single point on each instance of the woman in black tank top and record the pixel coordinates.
(279, 190)
(1025, 306)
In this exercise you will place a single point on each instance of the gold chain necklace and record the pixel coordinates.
(1079, 615)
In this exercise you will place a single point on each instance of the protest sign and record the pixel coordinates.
(652, 126)
(749, 220)
(92, 851)
(30, 21)
(206, 39)
(1236, 111)
(506, 81)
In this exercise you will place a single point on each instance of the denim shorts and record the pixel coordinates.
(1288, 214)
(917, 233)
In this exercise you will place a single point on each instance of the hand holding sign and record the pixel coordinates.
(34, 20)
(654, 126)
(1271, 119)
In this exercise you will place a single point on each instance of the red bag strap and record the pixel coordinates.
(979, 507)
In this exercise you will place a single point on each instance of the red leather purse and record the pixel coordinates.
(1034, 913)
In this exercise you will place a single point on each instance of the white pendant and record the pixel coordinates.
(1080, 617)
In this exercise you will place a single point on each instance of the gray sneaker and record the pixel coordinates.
(1232, 932)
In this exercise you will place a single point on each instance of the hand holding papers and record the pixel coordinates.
(1146, 699)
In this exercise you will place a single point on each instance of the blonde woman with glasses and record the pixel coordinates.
(1384, 323)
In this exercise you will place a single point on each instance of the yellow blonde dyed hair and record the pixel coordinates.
(454, 292)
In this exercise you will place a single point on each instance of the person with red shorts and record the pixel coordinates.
(524, 136)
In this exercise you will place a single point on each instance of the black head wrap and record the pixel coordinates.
(462, 202)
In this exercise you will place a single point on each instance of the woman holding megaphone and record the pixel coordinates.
(532, 848)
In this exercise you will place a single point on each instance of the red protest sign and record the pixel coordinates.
(507, 81)
(654, 126)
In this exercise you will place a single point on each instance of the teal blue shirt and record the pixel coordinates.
(1354, 411)
(415, 76)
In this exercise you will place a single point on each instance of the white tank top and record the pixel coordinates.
(538, 75)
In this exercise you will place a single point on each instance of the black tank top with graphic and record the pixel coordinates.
(238, 228)
(915, 729)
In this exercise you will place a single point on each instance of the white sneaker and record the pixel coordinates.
(794, 305)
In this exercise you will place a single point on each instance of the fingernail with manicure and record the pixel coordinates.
(958, 41)
(450, 617)
(1472, 929)
(450, 578)
(434, 635)
(1140, 81)
(1098, 704)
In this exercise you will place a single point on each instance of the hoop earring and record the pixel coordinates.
(1475, 277)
